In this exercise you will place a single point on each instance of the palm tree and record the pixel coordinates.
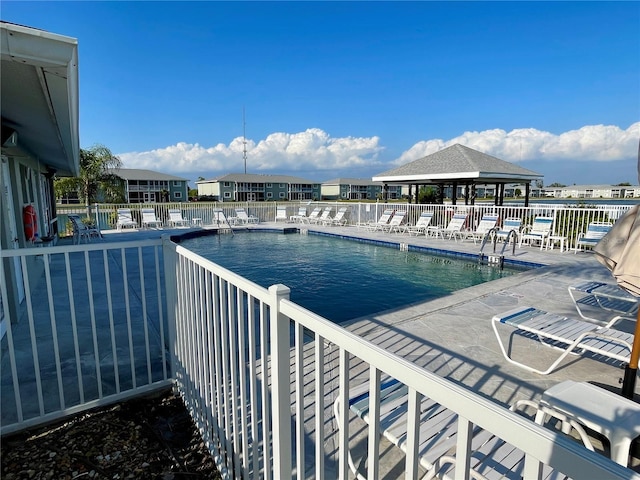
(98, 173)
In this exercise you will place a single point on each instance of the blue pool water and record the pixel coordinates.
(341, 279)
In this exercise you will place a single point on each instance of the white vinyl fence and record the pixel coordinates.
(258, 373)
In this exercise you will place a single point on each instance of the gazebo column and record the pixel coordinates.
(440, 193)
(474, 193)
(466, 194)
(410, 190)
(497, 194)
(454, 193)
(385, 192)
(527, 189)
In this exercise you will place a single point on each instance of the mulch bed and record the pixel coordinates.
(147, 438)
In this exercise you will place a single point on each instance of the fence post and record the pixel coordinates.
(169, 257)
(280, 384)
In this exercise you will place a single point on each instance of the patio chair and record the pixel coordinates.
(300, 216)
(125, 219)
(511, 224)
(175, 218)
(387, 214)
(598, 298)
(149, 218)
(312, 216)
(326, 216)
(490, 456)
(453, 229)
(420, 228)
(242, 217)
(82, 230)
(537, 232)
(219, 219)
(339, 218)
(595, 232)
(566, 334)
(397, 222)
(281, 214)
(487, 223)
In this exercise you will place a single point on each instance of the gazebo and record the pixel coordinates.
(459, 165)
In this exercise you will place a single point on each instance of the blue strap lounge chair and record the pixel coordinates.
(595, 232)
(491, 457)
(566, 334)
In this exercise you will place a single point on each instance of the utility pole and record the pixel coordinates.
(244, 142)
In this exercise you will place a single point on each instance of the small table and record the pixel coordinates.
(552, 239)
(197, 221)
(607, 413)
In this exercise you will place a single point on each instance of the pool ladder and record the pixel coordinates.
(493, 259)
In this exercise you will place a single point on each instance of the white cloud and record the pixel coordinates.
(314, 150)
(311, 150)
(601, 143)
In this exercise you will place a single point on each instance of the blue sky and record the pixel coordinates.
(352, 89)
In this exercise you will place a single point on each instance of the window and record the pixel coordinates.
(176, 183)
(227, 184)
(177, 194)
(283, 185)
(269, 185)
(269, 195)
(227, 194)
(283, 194)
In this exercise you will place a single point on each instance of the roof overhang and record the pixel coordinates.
(470, 177)
(39, 95)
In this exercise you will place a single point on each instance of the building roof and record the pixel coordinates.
(594, 187)
(139, 174)
(258, 178)
(39, 76)
(351, 181)
(458, 164)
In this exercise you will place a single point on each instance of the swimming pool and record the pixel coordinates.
(341, 279)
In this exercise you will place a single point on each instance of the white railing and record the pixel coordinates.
(569, 221)
(91, 329)
(258, 373)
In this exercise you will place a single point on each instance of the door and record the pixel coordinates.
(8, 212)
(149, 197)
(251, 197)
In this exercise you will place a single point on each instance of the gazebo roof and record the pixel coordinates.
(458, 163)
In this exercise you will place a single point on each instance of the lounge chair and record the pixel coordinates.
(220, 220)
(387, 214)
(487, 223)
(491, 457)
(281, 214)
(511, 224)
(453, 229)
(397, 222)
(175, 218)
(149, 218)
(300, 216)
(312, 216)
(326, 216)
(420, 228)
(81, 230)
(595, 232)
(538, 231)
(125, 220)
(242, 218)
(339, 218)
(567, 334)
(601, 298)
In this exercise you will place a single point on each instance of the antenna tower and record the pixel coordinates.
(244, 142)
